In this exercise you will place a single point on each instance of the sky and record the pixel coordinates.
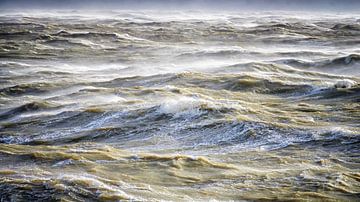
(307, 5)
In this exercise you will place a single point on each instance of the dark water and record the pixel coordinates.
(180, 106)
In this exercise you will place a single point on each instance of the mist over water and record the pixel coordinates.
(142, 103)
(213, 5)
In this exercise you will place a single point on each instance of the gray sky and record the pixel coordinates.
(314, 5)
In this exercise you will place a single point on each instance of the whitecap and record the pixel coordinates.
(345, 83)
(181, 104)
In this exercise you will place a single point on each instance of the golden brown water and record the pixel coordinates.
(181, 106)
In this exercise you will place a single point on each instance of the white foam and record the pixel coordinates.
(181, 104)
(345, 83)
(95, 183)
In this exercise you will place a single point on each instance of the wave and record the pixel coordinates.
(100, 35)
(346, 27)
(29, 107)
(66, 43)
(217, 53)
(179, 123)
(22, 25)
(222, 136)
(39, 190)
(345, 60)
(306, 29)
(85, 34)
(239, 82)
(343, 90)
(337, 62)
(90, 186)
(26, 89)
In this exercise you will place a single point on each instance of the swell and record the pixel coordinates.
(343, 94)
(185, 98)
(26, 89)
(346, 27)
(308, 29)
(351, 59)
(294, 84)
(39, 190)
(245, 82)
(200, 127)
(72, 185)
(29, 107)
(85, 34)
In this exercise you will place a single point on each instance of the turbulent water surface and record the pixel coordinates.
(179, 106)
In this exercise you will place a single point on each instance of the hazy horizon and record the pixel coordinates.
(262, 5)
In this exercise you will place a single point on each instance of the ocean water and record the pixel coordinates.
(179, 106)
